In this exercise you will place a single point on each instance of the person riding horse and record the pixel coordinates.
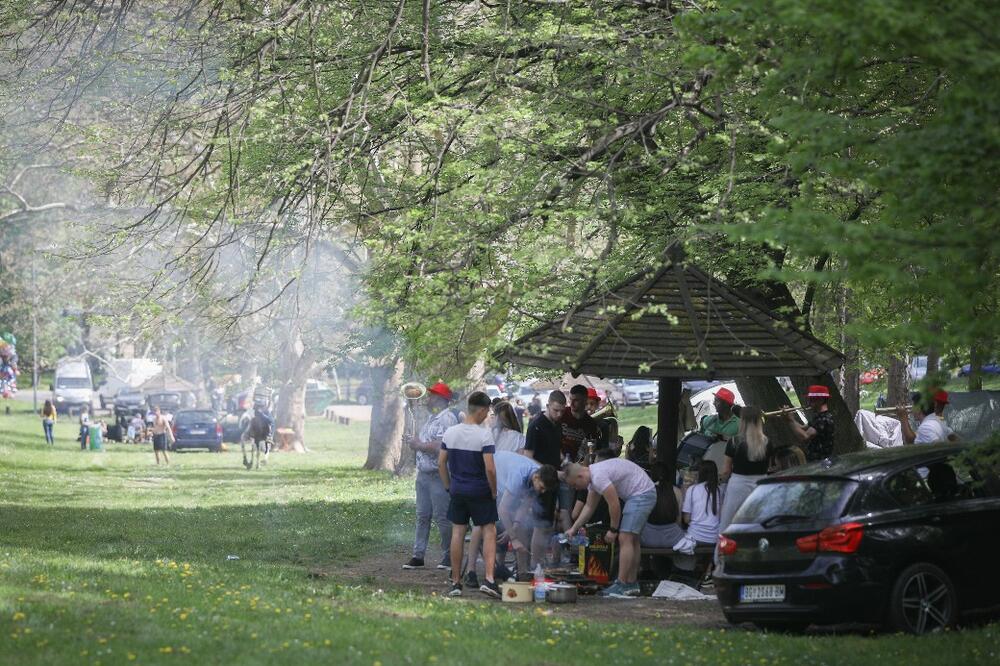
(258, 430)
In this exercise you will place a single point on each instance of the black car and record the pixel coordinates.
(129, 401)
(906, 537)
(168, 401)
(196, 429)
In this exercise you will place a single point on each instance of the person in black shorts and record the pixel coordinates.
(468, 472)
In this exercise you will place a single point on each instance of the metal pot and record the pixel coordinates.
(561, 593)
(517, 593)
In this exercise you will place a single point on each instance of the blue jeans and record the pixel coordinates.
(432, 502)
(47, 425)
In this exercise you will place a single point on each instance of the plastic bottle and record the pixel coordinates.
(539, 589)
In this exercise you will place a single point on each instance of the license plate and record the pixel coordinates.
(198, 432)
(750, 594)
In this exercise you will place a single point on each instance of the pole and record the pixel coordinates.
(34, 335)
(667, 416)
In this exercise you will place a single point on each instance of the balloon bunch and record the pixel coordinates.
(8, 365)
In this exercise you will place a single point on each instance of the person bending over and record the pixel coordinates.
(617, 480)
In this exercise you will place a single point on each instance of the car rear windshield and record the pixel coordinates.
(164, 399)
(195, 417)
(818, 499)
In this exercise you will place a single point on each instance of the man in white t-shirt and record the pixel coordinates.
(931, 427)
(617, 480)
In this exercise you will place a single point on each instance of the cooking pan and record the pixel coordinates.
(561, 593)
(516, 593)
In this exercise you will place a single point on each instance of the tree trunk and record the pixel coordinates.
(385, 435)
(777, 296)
(846, 435)
(195, 374)
(899, 381)
(933, 359)
(976, 368)
(297, 364)
(766, 393)
(850, 373)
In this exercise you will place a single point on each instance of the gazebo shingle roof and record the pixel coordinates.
(674, 320)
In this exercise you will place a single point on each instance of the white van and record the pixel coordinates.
(918, 367)
(73, 387)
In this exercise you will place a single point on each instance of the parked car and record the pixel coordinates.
(904, 536)
(871, 376)
(73, 386)
(196, 429)
(988, 369)
(363, 394)
(129, 401)
(639, 392)
(918, 367)
(525, 393)
(169, 402)
(318, 396)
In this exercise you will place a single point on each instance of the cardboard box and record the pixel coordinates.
(596, 561)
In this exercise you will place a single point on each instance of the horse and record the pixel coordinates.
(258, 431)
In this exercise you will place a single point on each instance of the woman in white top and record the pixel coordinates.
(703, 504)
(507, 436)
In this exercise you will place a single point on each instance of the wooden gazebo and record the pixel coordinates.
(673, 322)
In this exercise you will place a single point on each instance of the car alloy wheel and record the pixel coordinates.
(923, 600)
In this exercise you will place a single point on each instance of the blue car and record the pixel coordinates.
(196, 429)
(988, 369)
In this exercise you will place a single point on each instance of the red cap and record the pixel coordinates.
(725, 395)
(441, 389)
(592, 394)
(942, 397)
(819, 391)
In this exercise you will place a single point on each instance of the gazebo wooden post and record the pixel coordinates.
(667, 416)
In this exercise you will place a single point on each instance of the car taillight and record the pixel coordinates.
(726, 545)
(837, 539)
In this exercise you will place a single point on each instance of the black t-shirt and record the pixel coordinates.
(577, 430)
(544, 440)
(820, 446)
(742, 465)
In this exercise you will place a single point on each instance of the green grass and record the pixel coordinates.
(107, 559)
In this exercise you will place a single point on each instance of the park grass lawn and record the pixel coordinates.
(107, 559)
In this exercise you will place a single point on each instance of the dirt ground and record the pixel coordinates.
(385, 571)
